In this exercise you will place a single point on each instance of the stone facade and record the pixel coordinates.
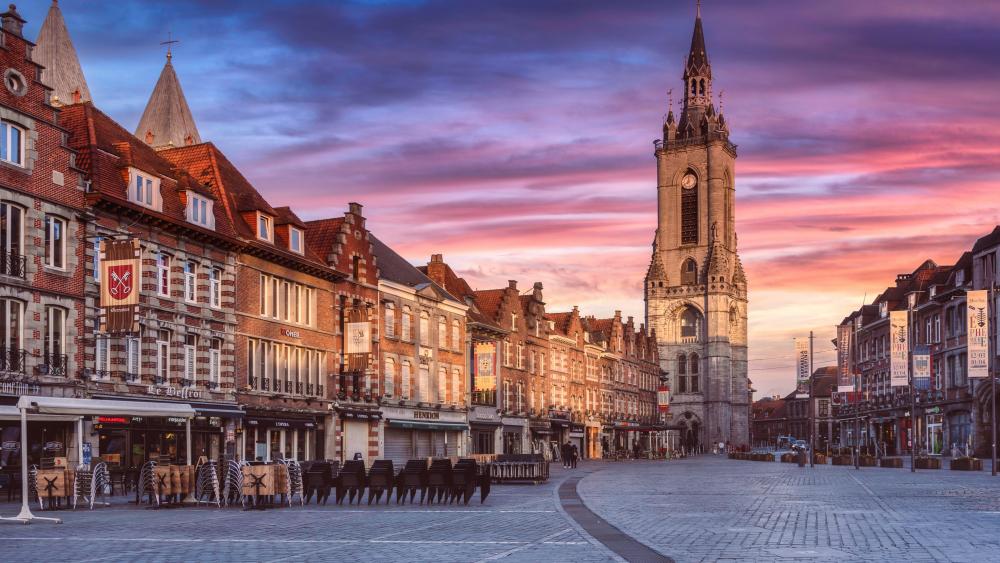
(695, 288)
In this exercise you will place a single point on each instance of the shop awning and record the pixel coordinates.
(422, 425)
(200, 408)
(62, 405)
(10, 412)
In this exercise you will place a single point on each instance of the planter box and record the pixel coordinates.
(819, 459)
(927, 463)
(895, 462)
(788, 458)
(967, 464)
(867, 461)
(843, 460)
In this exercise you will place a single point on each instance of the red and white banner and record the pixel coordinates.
(979, 333)
(899, 349)
(121, 271)
(663, 398)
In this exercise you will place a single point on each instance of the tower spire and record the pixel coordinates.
(697, 80)
(167, 121)
(54, 50)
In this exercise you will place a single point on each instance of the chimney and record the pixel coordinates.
(354, 208)
(12, 21)
(629, 320)
(512, 284)
(436, 269)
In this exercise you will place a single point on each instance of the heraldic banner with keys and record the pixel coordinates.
(121, 271)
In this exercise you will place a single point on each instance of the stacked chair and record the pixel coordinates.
(439, 480)
(320, 478)
(413, 477)
(380, 480)
(206, 484)
(351, 481)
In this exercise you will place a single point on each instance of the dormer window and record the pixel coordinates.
(883, 309)
(199, 210)
(959, 278)
(144, 189)
(264, 230)
(295, 240)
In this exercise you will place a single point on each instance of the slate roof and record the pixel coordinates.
(55, 51)
(167, 119)
(394, 267)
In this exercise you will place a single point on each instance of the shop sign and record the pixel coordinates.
(176, 420)
(214, 421)
(979, 334)
(112, 420)
(18, 389)
(180, 393)
(53, 446)
(10, 446)
(120, 284)
(290, 333)
(426, 415)
(899, 349)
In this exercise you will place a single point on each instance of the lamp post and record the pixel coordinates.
(812, 393)
(993, 385)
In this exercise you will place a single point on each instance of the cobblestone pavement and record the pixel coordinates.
(517, 523)
(710, 508)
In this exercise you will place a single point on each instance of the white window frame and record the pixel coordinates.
(102, 356)
(144, 189)
(423, 383)
(389, 376)
(456, 386)
(406, 319)
(133, 353)
(425, 327)
(295, 240)
(442, 385)
(404, 380)
(267, 232)
(52, 245)
(12, 341)
(162, 357)
(7, 129)
(390, 320)
(442, 332)
(191, 281)
(163, 274)
(191, 359)
(55, 339)
(215, 361)
(215, 288)
(200, 210)
(456, 334)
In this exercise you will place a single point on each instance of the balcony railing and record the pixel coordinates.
(54, 365)
(131, 377)
(13, 265)
(12, 360)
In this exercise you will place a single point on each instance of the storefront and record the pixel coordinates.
(50, 439)
(416, 434)
(934, 437)
(514, 435)
(593, 440)
(485, 430)
(130, 441)
(544, 439)
(576, 438)
(359, 428)
(272, 436)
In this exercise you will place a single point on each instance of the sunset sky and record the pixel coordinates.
(515, 137)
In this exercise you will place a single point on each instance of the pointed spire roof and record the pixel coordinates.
(698, 56)
(167, 120)
(54, 50)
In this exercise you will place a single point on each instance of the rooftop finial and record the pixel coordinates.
(698, 9)
(169, 43)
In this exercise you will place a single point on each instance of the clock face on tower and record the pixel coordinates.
(688, 181)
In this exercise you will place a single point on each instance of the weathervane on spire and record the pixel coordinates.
(169, 43)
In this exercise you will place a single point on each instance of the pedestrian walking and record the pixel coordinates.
(566, 453)
(575, 455)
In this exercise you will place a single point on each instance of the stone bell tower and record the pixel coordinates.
(696, 290)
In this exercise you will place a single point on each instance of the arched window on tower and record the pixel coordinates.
(694, 86)
(681, 373)
(701, 87)
(689, 209)
(693, 383)
(690, 323)
(689, 272)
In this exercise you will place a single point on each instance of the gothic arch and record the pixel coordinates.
(689, 271)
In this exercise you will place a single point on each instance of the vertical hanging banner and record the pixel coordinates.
(120, 286)
(845, 336)
(979, 333)
(663, 398)
(357, 340)
(802, 361)
(899, 349)
(486, 376)
(921, 367)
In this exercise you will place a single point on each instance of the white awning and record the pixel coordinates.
(10, 412)
(97, 407)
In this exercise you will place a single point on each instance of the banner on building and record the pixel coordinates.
(120, 271)
(357, 340)
(663, 398)
(921, 367)
(899, 349)
(802, 362)
(978, 319)
(486, 365)
(845, 358)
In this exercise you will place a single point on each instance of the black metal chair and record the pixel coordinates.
(464, 478)
(410, 479)
(439, 480)
(351, 481)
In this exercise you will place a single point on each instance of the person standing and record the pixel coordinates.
(565, 452)
(575, 455)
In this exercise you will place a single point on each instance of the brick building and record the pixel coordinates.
(424, 359)
(43, 230)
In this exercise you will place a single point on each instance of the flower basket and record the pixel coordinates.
(927, 463)
(967, 464)
(894, 462)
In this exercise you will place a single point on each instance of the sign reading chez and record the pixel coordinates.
(180, 393)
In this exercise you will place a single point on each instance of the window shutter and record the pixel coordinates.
(189, 363)
(214, 360)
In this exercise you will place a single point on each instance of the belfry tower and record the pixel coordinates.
(695, 290)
